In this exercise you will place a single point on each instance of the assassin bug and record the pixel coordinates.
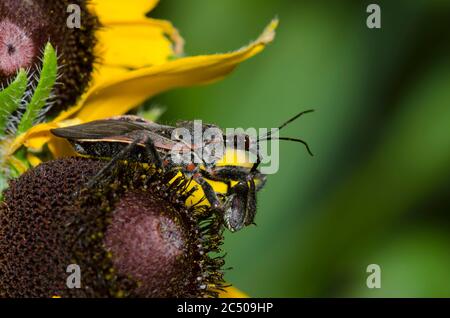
(133, 138)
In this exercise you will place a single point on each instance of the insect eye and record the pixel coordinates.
(178, 135)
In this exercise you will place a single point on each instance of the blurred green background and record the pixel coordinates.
(377, 190)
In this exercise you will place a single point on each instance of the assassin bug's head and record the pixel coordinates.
(251, 143)
(240, 203)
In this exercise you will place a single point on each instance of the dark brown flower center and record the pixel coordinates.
(132, 236)
(26, 27)
(147, 243)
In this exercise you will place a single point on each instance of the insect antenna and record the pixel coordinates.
(291, 139)
(268, 136)
(286, 123)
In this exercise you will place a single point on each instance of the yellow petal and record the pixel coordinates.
(120, 49)
(119, 10)
(133, 45)
(170, 31)
(232, 292)
(102, 74)
(33, 160)
(17, 164)
(119, 95)
(60, 148)
(36, 137)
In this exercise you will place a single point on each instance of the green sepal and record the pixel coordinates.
(10, 99)
(42, 93)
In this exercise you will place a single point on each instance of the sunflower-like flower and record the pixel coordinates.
(137, 57)
(132, 236)
(113, 63)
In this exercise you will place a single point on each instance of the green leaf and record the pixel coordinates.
(10, 98)
(41, 94)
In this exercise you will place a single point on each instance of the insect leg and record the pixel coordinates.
(251, 203)
(239, 207)
(110, 165)
(212, 177)
(152, 152)
(236, 207)
(240, 201)
(238, 173)
(210, 194)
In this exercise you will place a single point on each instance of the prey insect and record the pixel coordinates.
(135, 139)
